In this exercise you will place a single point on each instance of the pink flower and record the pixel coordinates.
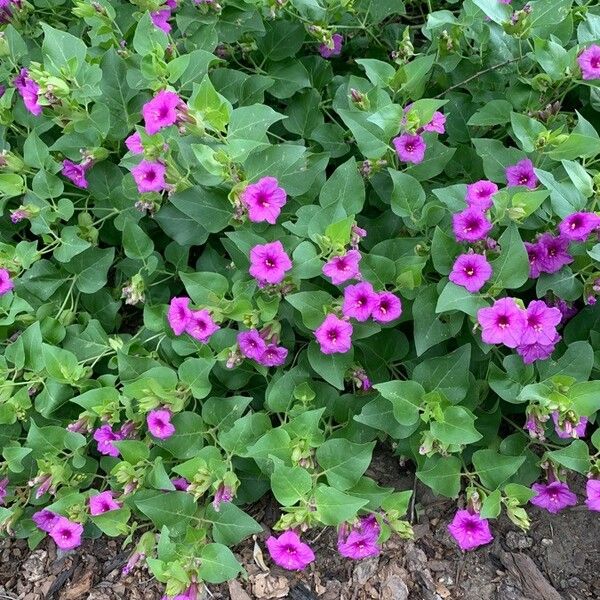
(553, 496)
(269, 263)
(535, 253)
(592, 491)
(554, 253)
(251, 344)
(28, 89)
(502, 323)
(289, 552)
(180, 483)
(361, 542)
(149, 176)
(201, 325)
(342, 268)
(273, 356)
(541, 322)
(160, 20)
(264, 200)
(161, 111)
(471, 271)
(589, 62)
(3, 491)
(359, 301)
(76, 172)
(410, 148)
(533, 352)
(223, 494)
(326, 52)
(522, 174)
(437, 123)
(566, 429)
(470, 225)
(159, 423)
(134, 143)
(105, 437)
(481, 193)
(45, 520)
(6, 284)
(101, 503)
(388, 307)
(576, 227)
(469, 530)
(179, 314)
(66, 534)
(334, 335)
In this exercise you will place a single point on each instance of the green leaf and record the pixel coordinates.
(456, 297)
(311, 306)
(114, 522)
(511, 268)
(491, 506)
(407, 195)
(90, 269)
(62, 50)
(406, 398)
(290, 484)
(214, 108)
(442, 475)
(494, 112)
(458, 427)
(133, 451)
(187, 439)
(194, 372)
(344, 462)
(331, 367)
(335, 507)
(136, 242)
(494, 469)
(230, 525)
(575, 456)
(218, 564)
(171, 509)
(147, 36)
(345, 187)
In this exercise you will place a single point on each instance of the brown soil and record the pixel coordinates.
(559, 558)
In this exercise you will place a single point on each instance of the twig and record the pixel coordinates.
(413, 499)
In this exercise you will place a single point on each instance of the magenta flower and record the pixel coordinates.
(160, 20)
(469, 530)
(502, 323)
(334, 335)
(533, 352)
(410, 148)
(437, 123)
(535, 253)
(388, 307)
(76, 172)
(179, 314)
(522, 174)
(149, 176)
(105, 437)
(251, 344)
(589, 62)
(554, 252)
(289, 552)
(566, 429)
(358, 545)
(480, 194)
(342, 268)
(29, 90)
(269, 263)
(134, 143)
(101, 503)
(576, 227)
(335, 50)
(264, 200)
(180, 483)
(201, 325)
(541, 322)
(159, 423)
(18, 215)
(471, 271)
(161, 111)
(3, 491)
(45, 520)
(6, 283)
(359, 301)
(553, 496)
(66, 534)
(223, 494)
(470, 225)
(273, 356)
(592, 491)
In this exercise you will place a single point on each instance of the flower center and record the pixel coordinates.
(410, 147)
(150, 175)
(523, 179)
(65, 534)
(270, 263)
(470, 271)
(503, 321)
(595, 62)
(332, 335)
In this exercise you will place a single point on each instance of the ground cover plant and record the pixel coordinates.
(242, 243)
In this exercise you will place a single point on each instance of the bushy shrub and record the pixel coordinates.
(243, 242)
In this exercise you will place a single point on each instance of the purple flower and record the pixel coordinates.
(269, 263)
(554, 252)
(553, 496)
(264, 200)
(576, 227)
(160, 19)
(592, 491)
(589, 62)
(3, 492)
(437, 123)
(45, 520)
(149, 176)
(336, 48)
(105, 437)
(159, 423)
(273, 356)
(18, 215)
(535, 253)
(470, 225)
(180, 483)
(223, 494)
(535, 426)
(469, 530)
(480, 194)
(6, 284)
(522, 174)
(179, 314)
(533, 352)
(134, 143)
(541, 322)
(251, 344)
(101, 503)
(161, 111)
(66, 534)
(359, 301)
(361, 542)
(471, 271)
(76, 172)
(502, 323)
(566, 429)
(201, 325)
(28, 89)
(334, 335)
(342, 268)
(410, 148)
(289, 552)
(388, 307)
(567, 310)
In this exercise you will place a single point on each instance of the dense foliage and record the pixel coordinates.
(241, 243)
